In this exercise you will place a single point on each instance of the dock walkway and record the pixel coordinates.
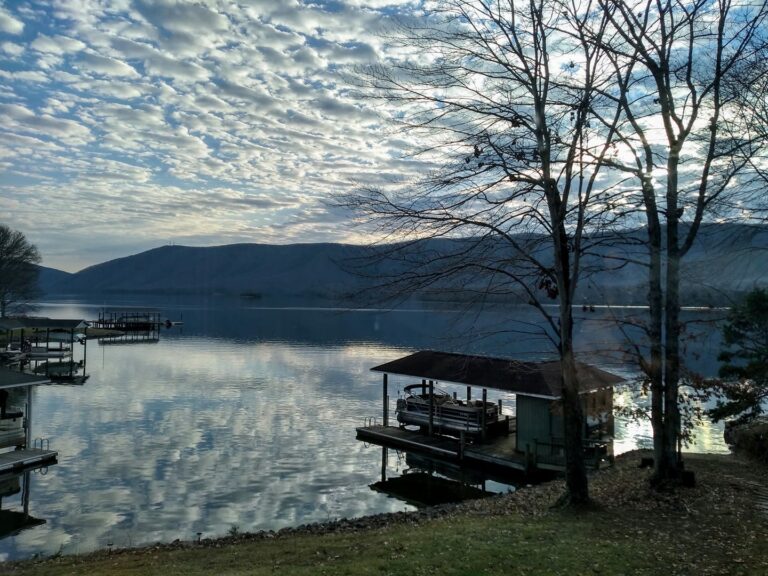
(499, 452)
(20, 459)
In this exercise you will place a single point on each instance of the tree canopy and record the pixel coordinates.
(564, 119)
(18, 271)
(743, 389)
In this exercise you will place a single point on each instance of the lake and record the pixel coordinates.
(244, 417)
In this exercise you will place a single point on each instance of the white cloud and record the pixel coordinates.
(12, 49)
(9, 23)
(236, 105)
(106, 66)
(56, 44)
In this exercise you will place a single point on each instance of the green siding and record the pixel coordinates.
(534, 421)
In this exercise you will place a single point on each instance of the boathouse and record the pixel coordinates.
(45, 346)
(534, 436)
(19, 450)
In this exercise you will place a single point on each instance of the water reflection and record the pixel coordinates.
(15, 492)
(242, 417)
(422, 481)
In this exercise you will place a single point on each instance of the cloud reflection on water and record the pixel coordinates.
(204, 431)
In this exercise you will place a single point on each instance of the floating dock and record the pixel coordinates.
(18, 460)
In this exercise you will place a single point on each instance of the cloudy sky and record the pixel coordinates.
(130, 124)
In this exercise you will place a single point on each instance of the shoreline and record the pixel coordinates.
(725, 484)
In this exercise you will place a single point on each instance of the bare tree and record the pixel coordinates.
(18, 271)
(500, 102)
(689, 76)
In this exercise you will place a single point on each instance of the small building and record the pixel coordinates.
(535, 436)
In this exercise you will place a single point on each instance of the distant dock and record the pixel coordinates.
(128, 319)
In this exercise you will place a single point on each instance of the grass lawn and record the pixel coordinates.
(718, 527)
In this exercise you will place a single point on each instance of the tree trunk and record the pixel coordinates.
(573, 425)
(672, 335)
(573, 416)
(654, 369)
(668, 467)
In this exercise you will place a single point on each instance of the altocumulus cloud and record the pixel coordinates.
(130, 124)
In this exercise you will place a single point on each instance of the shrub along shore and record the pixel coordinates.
(719, 526)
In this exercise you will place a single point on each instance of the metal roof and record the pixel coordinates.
(524, 378)
(13, 379)
(38, 323)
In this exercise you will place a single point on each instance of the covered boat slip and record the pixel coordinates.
(56, 334)
(45, 346)
(18, 450)
(532, 440)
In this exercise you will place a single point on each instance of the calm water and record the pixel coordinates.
(244, 417)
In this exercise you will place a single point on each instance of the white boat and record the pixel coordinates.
(449, 415)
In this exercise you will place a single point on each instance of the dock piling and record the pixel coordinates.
(483, 415)
(385, 400)
(431, 405)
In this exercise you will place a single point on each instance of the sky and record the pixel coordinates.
(132, 124)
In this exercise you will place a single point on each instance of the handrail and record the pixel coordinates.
(44, 444)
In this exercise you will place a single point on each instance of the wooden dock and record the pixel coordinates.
(498, 453)
(20, 459)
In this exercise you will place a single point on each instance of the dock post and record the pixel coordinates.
(385, 401)
(431, 405)
(71, 352)
(384, 463)
(28, 419)
(482, 414)
(499, 406)
(423, 386)
(462, 444)
(469, 394)
(85, 349)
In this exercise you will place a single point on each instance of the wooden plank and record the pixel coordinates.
(499, 453)
(389, 435)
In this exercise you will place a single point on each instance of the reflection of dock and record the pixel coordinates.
(424, 489)
(12, 522)
(135, 337)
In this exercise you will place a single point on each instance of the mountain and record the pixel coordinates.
(253, 269)
(50, 278)
(725, 260)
